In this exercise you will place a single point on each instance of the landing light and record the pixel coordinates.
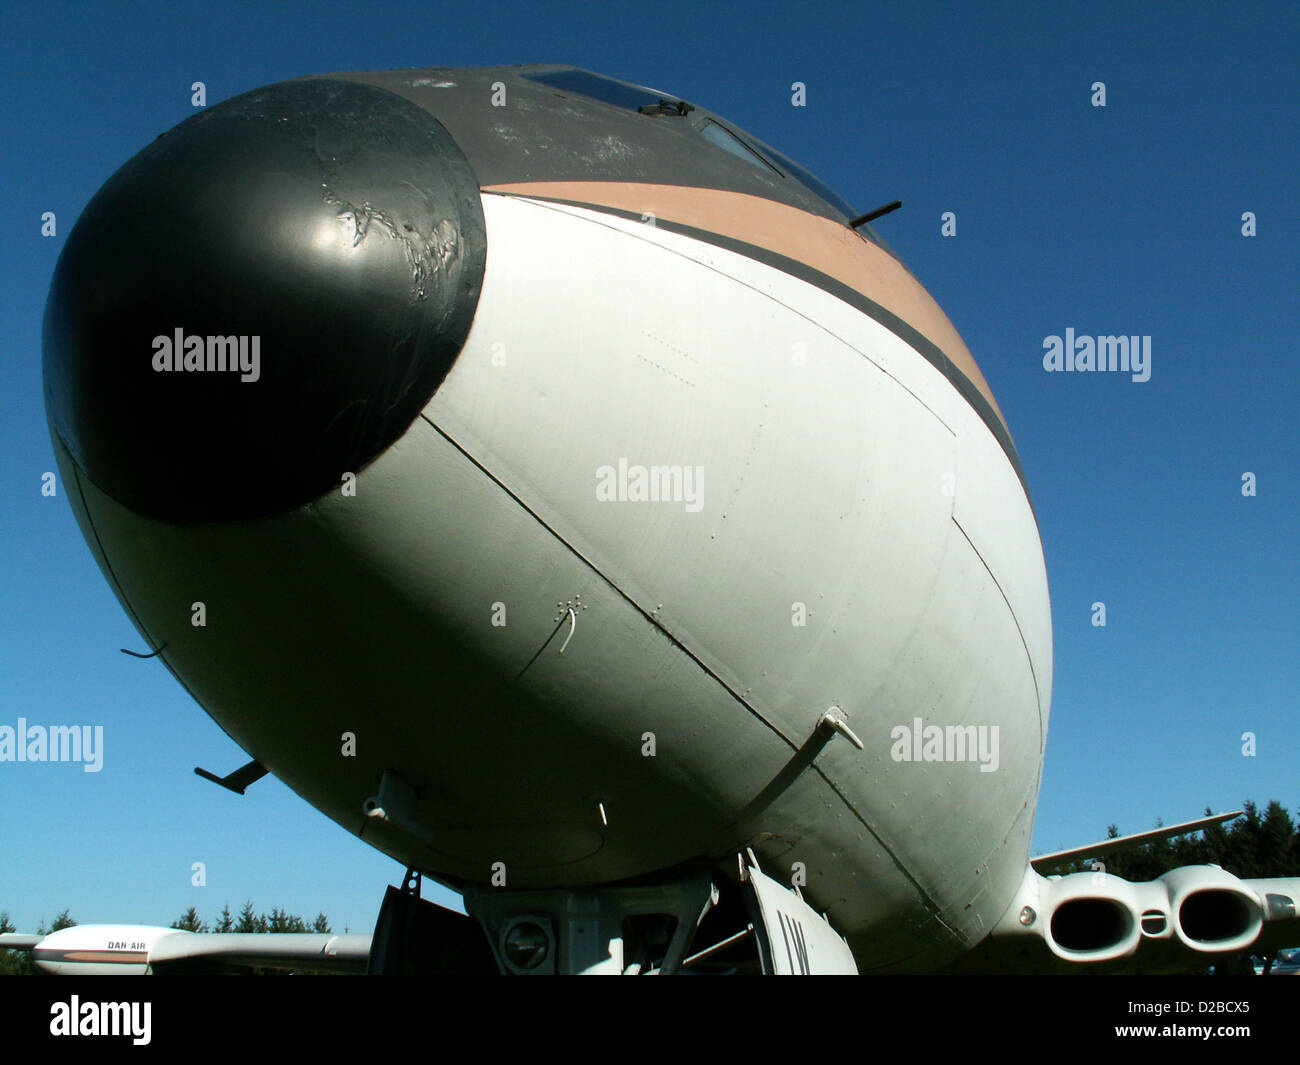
(526, 944)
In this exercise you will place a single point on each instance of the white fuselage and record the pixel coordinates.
(584, 685)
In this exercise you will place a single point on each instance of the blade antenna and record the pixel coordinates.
(871, 216)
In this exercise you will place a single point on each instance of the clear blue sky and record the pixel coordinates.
(1122, 220)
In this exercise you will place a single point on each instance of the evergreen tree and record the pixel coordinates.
(1246, 857)
(225, 923)
(282, 921)
(1216, 843)
(1189, 850)
(1278, 839)
(13, 962)
(1156, 857)
(321, 924)
(248, 919)
(1115, 864)
(189, 922)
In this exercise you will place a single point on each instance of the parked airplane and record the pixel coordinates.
(574, 498)
(135, 950)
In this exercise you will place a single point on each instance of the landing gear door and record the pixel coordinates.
(795, 940)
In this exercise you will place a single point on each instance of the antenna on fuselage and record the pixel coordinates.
(871, 216)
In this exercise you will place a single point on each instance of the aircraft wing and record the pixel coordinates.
(300, 951)
(141, 949)
(17, 941)
(1046, 863)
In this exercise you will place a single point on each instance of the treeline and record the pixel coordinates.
(249, 920)
(1254, 845)
(16, 962)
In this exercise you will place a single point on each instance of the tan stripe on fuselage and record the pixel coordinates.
(98, 957)
(820, 243)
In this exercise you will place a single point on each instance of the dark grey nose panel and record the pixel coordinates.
(262, 300)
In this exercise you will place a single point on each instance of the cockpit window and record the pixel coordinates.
(816, 185)
(728, 141)
(652, 102)
(607, 90)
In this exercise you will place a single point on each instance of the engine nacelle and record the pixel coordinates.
(1090, 917)
(1097, 917)
(1213, 911)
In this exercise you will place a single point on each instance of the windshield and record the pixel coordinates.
(631, 97)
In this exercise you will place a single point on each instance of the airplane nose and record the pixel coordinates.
(262, 300)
